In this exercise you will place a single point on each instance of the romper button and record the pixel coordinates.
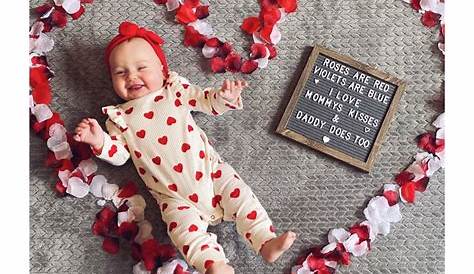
(212, 217)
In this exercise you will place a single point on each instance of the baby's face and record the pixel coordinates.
(135, 69)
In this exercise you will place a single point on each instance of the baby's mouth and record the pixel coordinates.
(135, 87)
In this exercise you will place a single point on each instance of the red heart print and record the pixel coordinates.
(173, 225)
(156, 160)
(185, 147)
(123, 129)
(194, 197)
(247, 235)
(138, 154)
(142, 170)
(198, 175)
(141, 133)
(163, 140)
(183, 207)
(178, 94)
(170, 121)
(178, 168)
(112, 150)
(215, 200)
(158, 98)
(148, 115)
(206, 93)
(173, 187)
(126, 147)
(185, 86)
(177, 102)
(272, 229)
(192, 228)
(204, 247)
(129, 110)
(252, 215)
(216, 175)
(164, 206)
(208, 263)
(235, 193)
(185, 249)
(202, 154)
(119, 113)
(192, 102)
(190, 128)
(113, 137)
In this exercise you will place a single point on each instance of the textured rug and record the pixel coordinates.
(302, 189)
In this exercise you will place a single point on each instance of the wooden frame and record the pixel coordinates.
(282, 126)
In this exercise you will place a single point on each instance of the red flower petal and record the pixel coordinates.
(38, 76)
(136, 252)
(361, 231)
(225, 50)
(430, 19)
(193, 38)
(408, 192)
(111, 245)
(217, 65)
(42, 94)
(40, 10)
(249, 66)
(258, 50)
(404, 177)
(202, 12)
(391, 196)
(128, 190)
(288, 5)
(160, 1)
(265, 33)
(128, 230)
(273, 52)
(60, 188)
(59, 18)
(233, 62)
(415, 4)
(250, 25)
(47, 25)
(421, 184)
(214, 42)
(270, 15)
(192, 3)
(185, 14)
(427, 142)
(78, 14)
(106, 215)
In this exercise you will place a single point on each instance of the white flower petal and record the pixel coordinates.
(350, 242)
(390, 187)
(338, 235)
(329, 247)
(360, 249)
(262, 62)
(383, 228)
(96, 185)
(140, 268)
(71, 6)
(282, 15)
(439, 122)
(416, 168)
(202, 27)
(88, 167)
(440, 133)
(109, 190)
(122, 217)
(36, 28)
(257, 39)
(77, 188)
(42, 112)
(275, 36)
(393, 214)
(101, 202)
(47, 14)
(331, 264)
(433, 166)
(57, 129)
(172, 5)
(64, 176)
(209, 52)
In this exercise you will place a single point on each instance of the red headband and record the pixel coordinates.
(128, 30)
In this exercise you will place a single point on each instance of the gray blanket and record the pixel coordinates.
(302, 189)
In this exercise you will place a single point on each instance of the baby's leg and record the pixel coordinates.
(241, 205)
(189, 234)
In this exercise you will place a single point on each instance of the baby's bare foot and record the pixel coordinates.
(273, 249)
(220, 268)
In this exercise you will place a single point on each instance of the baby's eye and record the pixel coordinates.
(119, 72)
(142, 67)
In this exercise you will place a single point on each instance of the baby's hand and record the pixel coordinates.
(89, 131)
(231, 90)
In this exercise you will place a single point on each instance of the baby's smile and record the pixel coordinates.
(135, 87)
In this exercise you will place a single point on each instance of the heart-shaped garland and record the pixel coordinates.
(77, 175)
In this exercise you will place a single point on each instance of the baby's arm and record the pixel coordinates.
(110, 148)
(213, 101)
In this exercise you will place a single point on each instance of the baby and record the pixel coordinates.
(193, 186)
